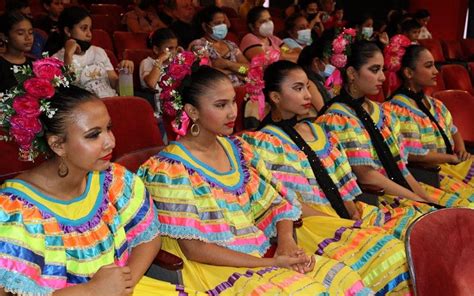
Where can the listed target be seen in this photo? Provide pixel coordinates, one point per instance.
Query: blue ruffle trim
(152, 231)
(20, 284)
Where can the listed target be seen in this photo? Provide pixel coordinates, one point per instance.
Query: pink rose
(22, 137)
(188, 57)
(169, 109)
(48, 68)
(350, 31)
(39, 88)
(178, 72)
(27, 106)
(339, 60)
(339, 45)
(30, 124)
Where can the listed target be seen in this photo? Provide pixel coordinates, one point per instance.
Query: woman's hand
(126, 64)
(111, 280)
(305, 263)
(71, 47)
(289, 248)
(463, 155)
(352, 210)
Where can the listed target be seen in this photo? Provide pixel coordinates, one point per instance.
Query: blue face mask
(304, 37)
(367, 32)
(328, 70)
(219, 32)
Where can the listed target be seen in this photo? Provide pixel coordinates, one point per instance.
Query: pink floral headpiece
(254, 81)
(21, 106)
(171, 84)
(341, 47)
(393, 54)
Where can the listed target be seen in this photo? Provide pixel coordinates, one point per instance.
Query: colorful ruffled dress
(342, 121)
(239, 210)
(421, 135)
(48, 244)
(291, 166)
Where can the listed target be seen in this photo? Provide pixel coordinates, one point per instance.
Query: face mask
(266, 29)
(83, 44)
(304, 37)
(328, 70)
(311, 16)
(367, 32)
(219, 32)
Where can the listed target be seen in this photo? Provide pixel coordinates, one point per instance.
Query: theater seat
(452, 50)
(112, 57)
(456, 77)
(238, 26)
(434, 46)
(114, 10)
(440, 248)
(102, 39)
(468, 48)
(460, 104)
(129, 40)
(133, 160)
(229, 11)
(231, 36)
(133, 124)
(106, 22)
(137, 56)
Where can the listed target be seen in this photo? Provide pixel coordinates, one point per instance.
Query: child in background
(49, 23)
(411, 29)
(422, 16)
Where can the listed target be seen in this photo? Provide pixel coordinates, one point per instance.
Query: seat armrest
(168, 261)
(372, 189)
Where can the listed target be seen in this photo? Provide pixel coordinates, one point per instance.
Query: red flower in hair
(27, 106)
(48, 68)
(39, 88)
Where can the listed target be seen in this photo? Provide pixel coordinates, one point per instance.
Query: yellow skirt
(148, 286)
(462, 172)
(451, 194)
(377, 257)
(328, 276)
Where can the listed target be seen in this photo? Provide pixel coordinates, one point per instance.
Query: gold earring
(63, 170)
(195, 129)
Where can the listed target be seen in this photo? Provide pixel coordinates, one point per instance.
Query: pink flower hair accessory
(340, 50)
(22, 105)
(254, 81)
(171, 84)
(393, 54)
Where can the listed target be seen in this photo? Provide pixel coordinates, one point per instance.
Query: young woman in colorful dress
(219, 207)
(76, 224)
(427, 125)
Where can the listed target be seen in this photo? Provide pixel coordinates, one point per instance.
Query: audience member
(143, 18)
(298, 31)
(49, 22)
(422, 16)
(411, 29)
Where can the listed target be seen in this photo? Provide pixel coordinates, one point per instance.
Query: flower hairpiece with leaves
(177, 77)
(254, 81)
(22, 105)
(393, 54)
(340, 50)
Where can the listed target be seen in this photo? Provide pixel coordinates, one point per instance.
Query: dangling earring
(195, 129)
(352, 89)
(63, 170)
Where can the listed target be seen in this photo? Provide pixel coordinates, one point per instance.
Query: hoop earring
(352, 89)
(195, 129)
(63, 170)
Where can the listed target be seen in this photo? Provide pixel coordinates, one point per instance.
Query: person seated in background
(143, 18)
(165, 11)
(317, 67)
(309, 9)
(224, 54)
(164, 44)
(337, 19)
(247, 5)
(365, 27)
(183, 26)
(23, 7)
(423, 16)
(298, 31)
(18, 34)
(411, 29)
(49, 22)
(261, 38)
(90, 63)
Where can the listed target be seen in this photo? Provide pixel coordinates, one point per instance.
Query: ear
(274, 97)
(351, 73)
(155, 49)
(56, 143)
(192, 112)
(407, 73)
(67, 31)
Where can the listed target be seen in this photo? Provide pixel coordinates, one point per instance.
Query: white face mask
(304, 37)
(328, 70)
(367, 32)
(266, 29)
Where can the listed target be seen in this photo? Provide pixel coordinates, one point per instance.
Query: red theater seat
(129, 40)
(114, 10)
(434, 46)
(133, 160)
(133, 124)
(456, 77)
(231, 36)
(468, 48)
(238, 26)
(440, 248)
(460, 104)
(106, 22)
(229, 11)
(112, 57)
(452, 50)
(102, 39)
(137, 56)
